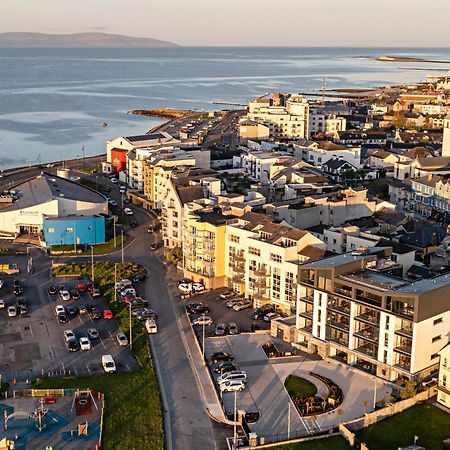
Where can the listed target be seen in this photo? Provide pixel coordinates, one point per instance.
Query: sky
(391, 23)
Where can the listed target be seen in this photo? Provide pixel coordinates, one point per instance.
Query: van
(109, 366)
(232, 375)
(151, 326)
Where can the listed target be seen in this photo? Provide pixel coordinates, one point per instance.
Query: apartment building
(262, 259)
(184, 188)
(319, 122)
(333, 209)
(350, 309)
(204, 244)
(285, 115)
(443, 387)
(159, 168)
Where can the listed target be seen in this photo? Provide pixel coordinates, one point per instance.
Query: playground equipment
(38, 415)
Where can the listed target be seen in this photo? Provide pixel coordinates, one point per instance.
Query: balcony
(368, 351)
(344, 292)
(369, 300)
(404, 332)
(366, 335)
(307, 314)
(307, 281)
(237, 279)
(403, 349)
(342, 309)
(306, 329)
(403, 365)
(371, 319)
(339, 325)
(237, 258)
(260, 273)
(337, 340)
(405, 313)
(238, 269)
(261, 283)
(307, 299)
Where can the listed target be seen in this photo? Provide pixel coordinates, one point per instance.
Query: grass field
(99, 249)
(133, 414)
(429, 423)
(299, 387)
(331, 443)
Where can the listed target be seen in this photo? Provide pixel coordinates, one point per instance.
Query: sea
(54, 101)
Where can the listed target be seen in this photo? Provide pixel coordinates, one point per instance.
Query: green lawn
(133, 414)
(331, 443)
(429, 423)
(299, 387)
(99, 249)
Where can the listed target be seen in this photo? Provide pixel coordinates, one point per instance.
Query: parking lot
(33, 345)
(265, 392)
(219, 312)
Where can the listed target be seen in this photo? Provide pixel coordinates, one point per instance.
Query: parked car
(191, 306)
(114, 180)
(62, 317)
(122, 339)
(52, 290)
(138, 303)
(81, 287)
(95, 314)
(72, 310)
(232, 385)
(243, 305)
(259, 313)
(198, 287)
(95, 293)
(59, 309)
(232, 375)
(18, 290)
(107, 314)
(224, 366)
(128, 211)
(153, 247)
(227, 295)
(127, 291)
(139, 277)
(122, 284)
(231, 303)
(74, 294)
(2, 304)
(64, 295)
(93, 334)
(147, 314)
(150, 326)
(108, 364)
(68, 334)
(185, 288)
(233, 328)
(202, 320)
(24, 310)
(221, 356)
(85, 343)
(12, 311)
(82, 309)
(269, 317)
(72, 345)
(220, 329)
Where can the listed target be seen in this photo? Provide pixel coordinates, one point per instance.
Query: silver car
(220, 329)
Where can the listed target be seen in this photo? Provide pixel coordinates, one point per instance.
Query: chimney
(429, 176)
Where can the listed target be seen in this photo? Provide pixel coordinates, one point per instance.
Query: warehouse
(57, 209)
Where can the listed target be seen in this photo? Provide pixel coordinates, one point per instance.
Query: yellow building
(204, 246)
(443, 387)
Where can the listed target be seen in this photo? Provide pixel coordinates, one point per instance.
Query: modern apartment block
(204, 245)
(351, 309)
(262, 259)
(443, 387)
(285, 115)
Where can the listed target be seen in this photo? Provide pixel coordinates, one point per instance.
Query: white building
(446, 138)
(443, 387)
(320, 122)
(285, 115)
(46, 196)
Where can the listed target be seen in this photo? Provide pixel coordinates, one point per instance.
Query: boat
(104, 124)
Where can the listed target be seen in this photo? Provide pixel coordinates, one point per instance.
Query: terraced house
(351, 307)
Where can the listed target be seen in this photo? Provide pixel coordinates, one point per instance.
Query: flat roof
(47, 187)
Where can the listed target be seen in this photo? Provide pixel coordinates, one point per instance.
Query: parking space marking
(89, 370)
(79, 318)
(101, 340)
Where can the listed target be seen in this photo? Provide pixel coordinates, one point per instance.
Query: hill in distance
(19, 39)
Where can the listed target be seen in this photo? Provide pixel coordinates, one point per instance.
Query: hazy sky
(242, 22)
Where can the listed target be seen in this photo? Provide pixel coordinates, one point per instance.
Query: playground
(69, 419)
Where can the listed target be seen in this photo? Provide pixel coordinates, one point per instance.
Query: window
(319, 316)
(276, 284)
(436, 338)
(276, 258)
(175, 214)
(385, 356)
(320, 299)
(69, 230)
(386, 339)
(437, 321)
(289, 287)
(387, 322)
(254, 251)
(50, 230)
(175, 224)
(234, 238)
(175, 234)
(334, 241)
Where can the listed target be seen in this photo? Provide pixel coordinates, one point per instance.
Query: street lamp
(235, 426)
(203, 337)
(121, 232)
(92, 263)
(131, 328)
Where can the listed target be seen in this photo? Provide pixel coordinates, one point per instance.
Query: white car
(185, 288)
(65, 295)
(122, 340)
(198, 287)
(2, 304)
(109, 366)
(151, 326)
(114, 180)
(59, 309)
(69, 334)
(12, 311)
(232, 375)
(122, 189)
(232, 385)
(85, 343)
(112, 202)
(202, 320)
(128, 291)
(128, 211)
(122, 283)
(269, 317)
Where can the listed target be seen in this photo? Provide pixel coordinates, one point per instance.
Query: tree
(409, 390)
(174, 256)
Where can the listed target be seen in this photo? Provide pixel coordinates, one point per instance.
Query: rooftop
(47, 187)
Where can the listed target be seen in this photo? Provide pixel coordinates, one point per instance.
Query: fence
(284, 437)
(59, 392)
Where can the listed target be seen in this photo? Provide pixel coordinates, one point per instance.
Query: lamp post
(114, 230)
(92, 264)
(203, 337)
(115, 282)
(121, 232)
(131, 328)
(235, 425)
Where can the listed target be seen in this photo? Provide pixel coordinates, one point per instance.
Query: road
(188, 425)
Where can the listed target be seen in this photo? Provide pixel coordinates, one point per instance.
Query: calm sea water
(53, 101)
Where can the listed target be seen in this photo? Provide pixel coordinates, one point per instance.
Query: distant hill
(78, 40)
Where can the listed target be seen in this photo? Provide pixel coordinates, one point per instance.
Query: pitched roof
(336, 163)
(188, 194)
(417, 152)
